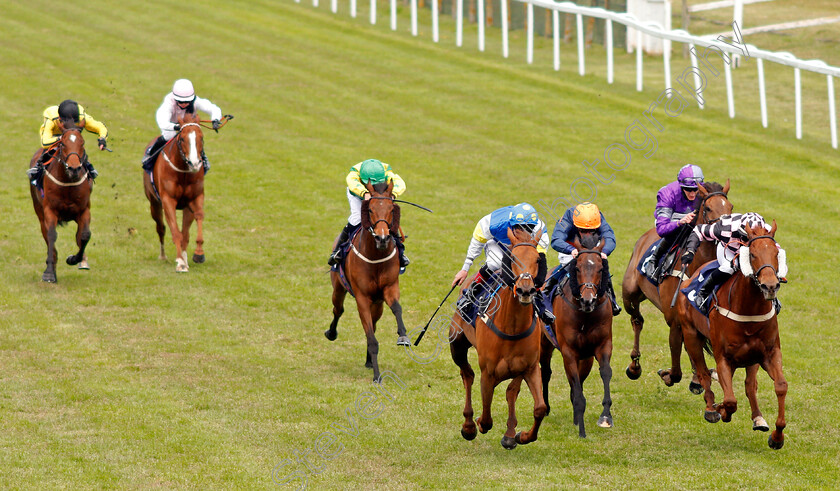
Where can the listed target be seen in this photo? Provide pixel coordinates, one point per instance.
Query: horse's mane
(590, 240)
(713, 186)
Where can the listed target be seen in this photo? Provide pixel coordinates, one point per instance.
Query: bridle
(525, 275)
(596, 288)
(755, 273)
(62, 159)
(178, 141)
(373, 224)
(703, 206)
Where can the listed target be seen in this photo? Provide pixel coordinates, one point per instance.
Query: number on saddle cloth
(644, 266)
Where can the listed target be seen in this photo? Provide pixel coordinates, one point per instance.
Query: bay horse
(742, 331)
(635, 288)
(66, 196)
(177, 183)
(507, 340)
(372, 271)
(583, 330)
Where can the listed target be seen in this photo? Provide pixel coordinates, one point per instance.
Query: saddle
(470, 308)
(691, 290)
(666, 263)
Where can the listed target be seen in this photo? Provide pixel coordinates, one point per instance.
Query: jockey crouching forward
(66, 112)
(731, 233)
(578, 221)
(490, 236)
(373, 172)
(176, 104)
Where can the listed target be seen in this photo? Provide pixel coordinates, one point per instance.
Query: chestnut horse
(635, 288)
(66, 197)
(507, 340)
(177, 183)
(373, 272)
(584, 331)
(743, 331)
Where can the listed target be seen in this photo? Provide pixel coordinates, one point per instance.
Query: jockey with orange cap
(182, 100)
(69, 113)
(577, 221)
(370, 171)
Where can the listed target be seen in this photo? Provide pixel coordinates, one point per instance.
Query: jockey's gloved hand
(177, 127)
(102, 144)
(687, 258)
(216, 125)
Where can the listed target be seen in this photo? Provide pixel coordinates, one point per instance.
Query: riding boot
(543, 307)
(606, 276)
(335, 257)
(152, 152)
(205, 162)
(469, 297)
(90, 170)
(665, 244)
(716, 277)
(35, 173)
(404, 261)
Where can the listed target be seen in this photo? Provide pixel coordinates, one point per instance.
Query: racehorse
(66, 196)
(584, 330)
(507, 340)
(635, 288)
(372, 271)
(177, 183)
(742, 331)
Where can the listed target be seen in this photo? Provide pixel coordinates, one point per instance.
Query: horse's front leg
(532, 378)
(751, 388)
(603, 354)
(631, 300)
(181, 265)
(392, 298)
(197, 207)
(82, 239)
(578, 400)
(488, 385)
(512, 392)
(725, 372)
(694, 348)
(773, 367)
(364, 306)
(546, 351)
(50, 222)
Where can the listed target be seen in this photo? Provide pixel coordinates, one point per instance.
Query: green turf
(130, 376)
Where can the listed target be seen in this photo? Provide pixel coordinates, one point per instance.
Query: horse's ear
(601, 244)
(576, 243)
(181, 120)
(702, 190)
(369, 187)
(726, 187)
(512, 236)
(773, 229)
(60, 125)
(389, 188)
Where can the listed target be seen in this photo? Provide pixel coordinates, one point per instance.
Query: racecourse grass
(130, 376)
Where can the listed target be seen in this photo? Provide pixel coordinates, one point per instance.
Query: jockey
(578, 221)
(66, 112)
(731, 233)
(490, 236)
(182, 100)
(374, 172)
(675, 209)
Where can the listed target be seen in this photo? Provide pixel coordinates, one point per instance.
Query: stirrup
(335, 257)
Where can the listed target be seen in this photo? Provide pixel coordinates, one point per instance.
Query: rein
(57, 156)
(181, 151)
(754, 277)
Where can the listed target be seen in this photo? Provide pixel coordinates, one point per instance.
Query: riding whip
(433, 315)
(413, 204)
(677, 291)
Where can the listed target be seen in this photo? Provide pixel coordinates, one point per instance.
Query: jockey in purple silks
(675, 209)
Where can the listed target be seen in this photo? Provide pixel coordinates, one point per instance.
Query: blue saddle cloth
(560, 274)
(484, 301)
(339, 266)
(691, 290)
(648, 256)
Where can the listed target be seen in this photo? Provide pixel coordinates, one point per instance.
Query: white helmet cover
(183, 90)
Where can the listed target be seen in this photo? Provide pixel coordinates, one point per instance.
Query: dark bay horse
(584, 330)
(743, 331)
(66, 197)
(373, 271)
(177, 183)
(507, 340)
(635, 288)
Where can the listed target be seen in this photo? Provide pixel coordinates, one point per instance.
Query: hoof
(483, 429)
(369, 364)
(508, 442)
(48, 277)
(467, 435)
(198, 258)
(605, 422)
(403, 341)
(84, 264)
(760, 424)
(774, 444)
(712, 416)
(72, 261)
(695, 388)
(181, 266)
(330, 334)
(665, 375)
(633, 374)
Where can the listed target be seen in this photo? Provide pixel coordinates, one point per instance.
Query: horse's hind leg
(546, 351)
(458, 348)
(604, 353)
(532, 378)
(773, 367)
(82, 239)
(751, 388)
(156, 210)
(338, 306)
(512, 392)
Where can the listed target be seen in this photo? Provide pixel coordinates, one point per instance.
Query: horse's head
(764, 262)
(381, 217)
(524, 262)
(714, 202)
(588, 271)
(190, 141)
(71, 148)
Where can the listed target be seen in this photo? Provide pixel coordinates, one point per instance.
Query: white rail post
(832, 116)
(666, 60)
(459, 23)
(639, 51)
(797, 83)
(738, 17)
(692, 51)
(555, 20)
(480, 24)
(334, 6)
(529, 55)
(609, 43)
(413, 17)
(730, 97)
(435, 25)
(762, 95)
(373, 11)
(581, 61)
(353, 8)
(505, 28)
(393, 15)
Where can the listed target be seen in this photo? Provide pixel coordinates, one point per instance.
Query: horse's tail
(707, 343)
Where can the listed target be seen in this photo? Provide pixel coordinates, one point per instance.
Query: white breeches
(355, 217)
(726, 259)
(564, 258)
(494, 254)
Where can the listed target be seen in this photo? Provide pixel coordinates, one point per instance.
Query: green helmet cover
(372, 170)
